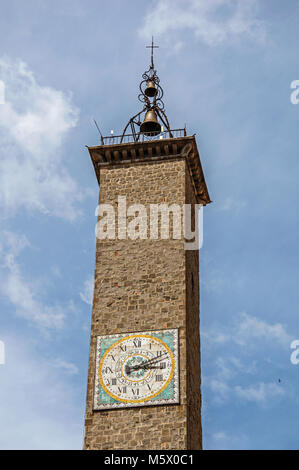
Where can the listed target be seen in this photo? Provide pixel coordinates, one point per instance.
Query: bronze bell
(150, 124)
(150, 90)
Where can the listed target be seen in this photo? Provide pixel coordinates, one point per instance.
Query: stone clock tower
(144, 386)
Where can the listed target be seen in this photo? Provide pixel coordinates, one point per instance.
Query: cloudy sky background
(226, 68)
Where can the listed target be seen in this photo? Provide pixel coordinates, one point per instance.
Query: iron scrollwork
(151, 102)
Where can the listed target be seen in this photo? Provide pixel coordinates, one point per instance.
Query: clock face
(136, 369)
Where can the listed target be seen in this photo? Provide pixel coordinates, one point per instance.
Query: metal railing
(145, 137)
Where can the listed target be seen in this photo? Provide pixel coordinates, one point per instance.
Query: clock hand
(128, 369)
(153, 367)
(154, 360)
(146, 364)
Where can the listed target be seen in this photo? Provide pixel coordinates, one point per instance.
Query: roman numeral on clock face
(135, 392)
(159, 378)
(137, 343)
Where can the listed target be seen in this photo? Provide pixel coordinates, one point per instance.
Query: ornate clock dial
(136, 368)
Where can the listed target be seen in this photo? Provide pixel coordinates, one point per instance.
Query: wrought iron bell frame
(154, 103)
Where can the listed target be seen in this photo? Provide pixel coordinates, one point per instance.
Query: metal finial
(152, 47)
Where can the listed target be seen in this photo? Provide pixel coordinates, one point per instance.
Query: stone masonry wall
(144, 285)
(194, 431)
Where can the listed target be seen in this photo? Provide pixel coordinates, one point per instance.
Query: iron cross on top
(152, 47)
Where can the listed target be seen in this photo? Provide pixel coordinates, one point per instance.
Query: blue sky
(226, 68)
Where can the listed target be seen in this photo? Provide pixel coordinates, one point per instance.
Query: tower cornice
(159, 150)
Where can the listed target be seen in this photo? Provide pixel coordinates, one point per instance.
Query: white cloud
(220, 389)
(40, 408)
(253, 327)
(34, 122)
(217, 281)
(225, 440)
(259, 393)
(68, 367)
(239, 354)
(87, 294)
(227, 368)
(245, 329)
(22, 293)
(223, 391)
(231, 204)
(212, 22)
(214, 283)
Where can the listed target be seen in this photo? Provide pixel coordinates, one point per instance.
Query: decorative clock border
(154, 402)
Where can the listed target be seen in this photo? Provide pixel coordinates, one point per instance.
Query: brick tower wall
(147, 285)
